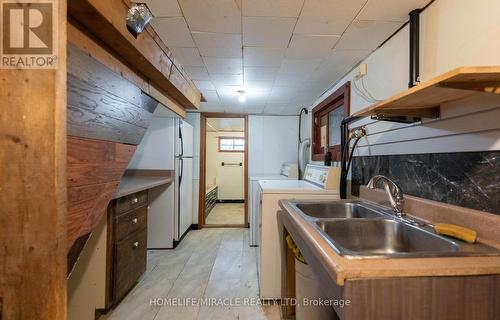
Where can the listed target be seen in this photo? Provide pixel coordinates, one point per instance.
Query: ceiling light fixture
(241, 96)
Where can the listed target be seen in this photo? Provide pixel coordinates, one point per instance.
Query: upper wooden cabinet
(147, 54)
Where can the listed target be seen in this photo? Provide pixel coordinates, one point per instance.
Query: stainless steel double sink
(359, 229)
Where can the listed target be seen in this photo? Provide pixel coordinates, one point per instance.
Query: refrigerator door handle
(181, 140)
(181, 165)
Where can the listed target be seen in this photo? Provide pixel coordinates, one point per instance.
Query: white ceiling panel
(217, 40)
(366, 35)
(390, 10)
(221, 52)
(267, 31)
(274, 108)
(174, 31)
(227, 124)
(220, 80)
(189, 57)
(163, 8)
(204, 85)
(197, 73)
(272, 8)
(262, 57)
(310, 46)
(280, 94)
(327, 16)
(292, 110)
(252, 87)
(303, 67)
(212, 15)
(224, 65)
(289, 80)
(260, 73)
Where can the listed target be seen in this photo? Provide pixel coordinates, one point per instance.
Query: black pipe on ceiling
(414, 47)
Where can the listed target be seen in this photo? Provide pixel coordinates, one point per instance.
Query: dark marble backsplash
(466, 179)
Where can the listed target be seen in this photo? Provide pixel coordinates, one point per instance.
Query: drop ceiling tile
(273, 8)
(163, 8)
(262, 57)
(197, 73)
(227, 79)
(310, 46)
(204, 85)
(260, 73)
(302, 67)
(390, 10)
(224, 65)
(173, 31)
(212, 15)
(221, 52)
(217, 40)
(204, 107)
(280, 94)
(267, 31)
(274, 108)
(289, 80)
(258, 86)
(366, 35)
(327, 16)
(337, 65)
(292, 110)
(189, 57)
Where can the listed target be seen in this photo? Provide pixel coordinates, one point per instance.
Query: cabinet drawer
(130, 263)
(130, 202)
(130, 222)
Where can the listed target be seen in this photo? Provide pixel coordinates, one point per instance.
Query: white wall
(194, 120)
(229, 179)
(273, 140)
(454, 33)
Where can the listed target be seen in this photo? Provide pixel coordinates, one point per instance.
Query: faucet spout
(395, 193)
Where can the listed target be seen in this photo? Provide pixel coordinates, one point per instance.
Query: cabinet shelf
(425, 99)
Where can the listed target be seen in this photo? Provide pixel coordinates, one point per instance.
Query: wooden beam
(33, 188)
(106, 21)
(84, 42)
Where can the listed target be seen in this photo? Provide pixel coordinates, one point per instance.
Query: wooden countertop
(132, 184)
(340, 269)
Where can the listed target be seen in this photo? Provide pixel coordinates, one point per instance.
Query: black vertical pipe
(414, 47)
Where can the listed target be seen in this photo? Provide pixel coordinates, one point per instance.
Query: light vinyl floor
(210, 263)
(227, 213)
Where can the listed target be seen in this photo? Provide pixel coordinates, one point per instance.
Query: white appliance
(168, 145)
(319, 182)
(288, 171)
(183, 178)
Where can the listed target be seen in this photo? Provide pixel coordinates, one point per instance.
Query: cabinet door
(130, 263)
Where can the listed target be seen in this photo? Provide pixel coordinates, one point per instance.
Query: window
(326, 119)
(231, 144)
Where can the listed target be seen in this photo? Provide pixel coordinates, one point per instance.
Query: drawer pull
(136, 244)
(134, 221)
(134, 200)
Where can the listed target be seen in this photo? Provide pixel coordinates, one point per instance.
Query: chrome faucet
(395, 194)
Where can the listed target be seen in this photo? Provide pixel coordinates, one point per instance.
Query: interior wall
(454, 33)
(194, 118)
(272, 141)
(229, 179)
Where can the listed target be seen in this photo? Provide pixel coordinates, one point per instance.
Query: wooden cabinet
(127, 230)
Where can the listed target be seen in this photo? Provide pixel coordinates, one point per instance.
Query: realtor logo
(28, 34)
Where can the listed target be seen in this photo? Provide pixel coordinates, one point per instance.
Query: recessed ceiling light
(241, 96)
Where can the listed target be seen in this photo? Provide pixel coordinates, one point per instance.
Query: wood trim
(342, 96)
(33, 202)
(203, 160)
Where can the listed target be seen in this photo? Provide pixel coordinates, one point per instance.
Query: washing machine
(288, 171)
(320, 183)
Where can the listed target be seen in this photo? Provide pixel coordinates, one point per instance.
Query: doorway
(223, 171)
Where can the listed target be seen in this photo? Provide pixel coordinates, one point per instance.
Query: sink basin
(338, 209)
(384, 237)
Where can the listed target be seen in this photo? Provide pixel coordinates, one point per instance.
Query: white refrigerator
(183, 178)
(168, 145)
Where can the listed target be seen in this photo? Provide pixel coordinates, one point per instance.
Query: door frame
(204, 116)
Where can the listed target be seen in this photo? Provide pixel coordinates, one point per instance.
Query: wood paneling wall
(33, 188)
